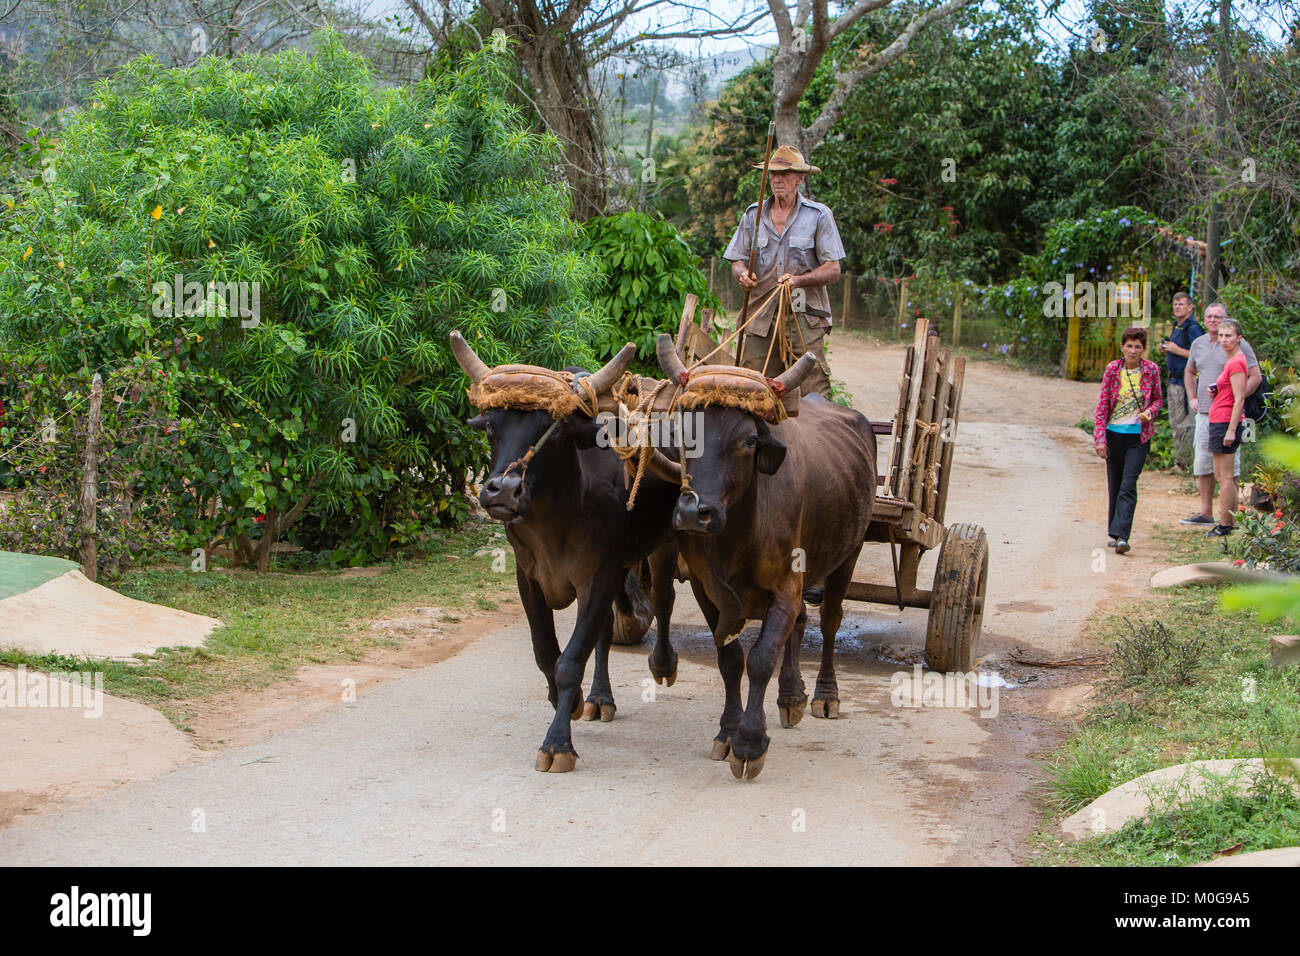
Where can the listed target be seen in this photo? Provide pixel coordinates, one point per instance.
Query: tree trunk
(556, 66)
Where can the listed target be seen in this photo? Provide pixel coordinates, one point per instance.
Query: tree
(558, 47)
(803, 42)
(367, 223)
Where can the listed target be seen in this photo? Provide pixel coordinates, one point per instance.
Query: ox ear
(478, 421)
(770, 452)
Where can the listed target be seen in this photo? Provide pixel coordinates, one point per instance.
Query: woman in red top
(1227, 400)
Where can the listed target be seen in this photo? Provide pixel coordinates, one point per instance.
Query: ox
(565, 515)
(771, 508)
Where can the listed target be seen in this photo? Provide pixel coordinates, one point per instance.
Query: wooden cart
(908, 514)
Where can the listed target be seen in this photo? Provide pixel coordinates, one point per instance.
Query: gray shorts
(1202, 460)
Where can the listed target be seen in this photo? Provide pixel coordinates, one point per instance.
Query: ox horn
(604, 378)
(669, 360)
(470, 363)
(797, 372)
(661, 466)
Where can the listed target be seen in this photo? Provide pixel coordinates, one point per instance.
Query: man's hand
(794, 280)
(1194, 403)
(746, 279)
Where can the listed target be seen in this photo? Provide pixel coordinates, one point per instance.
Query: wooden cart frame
(912, 495)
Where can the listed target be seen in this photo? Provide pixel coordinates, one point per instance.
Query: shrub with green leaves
(357, 225)
(649, 271)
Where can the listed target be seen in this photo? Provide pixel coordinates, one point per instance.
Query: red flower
(259, 519)
(885, 227)
(1239, 562)
(889, 182)
(1278, 513)
(1278, 527)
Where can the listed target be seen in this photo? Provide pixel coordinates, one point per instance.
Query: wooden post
(713, 261)
(902, 305)
(688, 316)
(847, 279)
(956, 320)
(1071, 341)
(90, 482)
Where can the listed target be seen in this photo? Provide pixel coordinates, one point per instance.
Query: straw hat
(788, 159)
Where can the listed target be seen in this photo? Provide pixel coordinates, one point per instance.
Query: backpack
(1255, 401)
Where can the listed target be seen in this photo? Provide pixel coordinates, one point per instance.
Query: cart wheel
(953, 633)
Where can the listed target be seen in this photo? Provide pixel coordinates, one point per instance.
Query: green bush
(648, 271)
(370, 221)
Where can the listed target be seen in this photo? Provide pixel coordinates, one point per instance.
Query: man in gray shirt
(797, 243)
(1205, 362)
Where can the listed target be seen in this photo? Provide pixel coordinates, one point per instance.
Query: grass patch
(277, 622)
(1187, 682)
(1186, 828)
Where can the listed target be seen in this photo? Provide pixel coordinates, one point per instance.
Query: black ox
(772, 509)
(566, 518)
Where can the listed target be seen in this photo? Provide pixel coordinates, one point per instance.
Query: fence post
(90, 482)
(1071, 341)
(902, 305)
(848, 299)
(956, 321)
(713, 260)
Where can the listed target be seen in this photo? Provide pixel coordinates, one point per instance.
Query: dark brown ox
(772, 509)
(566, 518)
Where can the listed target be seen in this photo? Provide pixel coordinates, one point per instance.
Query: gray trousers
(1183, 422)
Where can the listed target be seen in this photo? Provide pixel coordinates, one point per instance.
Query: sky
(1070, 20)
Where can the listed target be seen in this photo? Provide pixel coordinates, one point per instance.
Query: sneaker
(1121, 546)
(1198, 519)
(1111, 542)
(1219, 531)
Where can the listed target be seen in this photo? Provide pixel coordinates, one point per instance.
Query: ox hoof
(792, 712)
(577, 705)
(666, 675)
(666, 679)
(562, 762)
(743, 769)
(590, 711)
(826, 707)
(607, 713)
(721, 748)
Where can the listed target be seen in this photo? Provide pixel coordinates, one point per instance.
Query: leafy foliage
(649, 270)
(370, 222)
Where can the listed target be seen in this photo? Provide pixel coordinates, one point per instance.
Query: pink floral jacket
(1151, 399)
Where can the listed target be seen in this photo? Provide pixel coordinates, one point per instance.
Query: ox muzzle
(504, 497)
(697, 517)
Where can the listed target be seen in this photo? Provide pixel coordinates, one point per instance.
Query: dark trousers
(1125, 456)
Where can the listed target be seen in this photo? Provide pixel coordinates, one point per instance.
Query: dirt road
(435, 766)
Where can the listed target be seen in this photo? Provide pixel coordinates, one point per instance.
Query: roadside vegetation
(1186, 680)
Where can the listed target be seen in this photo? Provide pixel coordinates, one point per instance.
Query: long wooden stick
(753, 237)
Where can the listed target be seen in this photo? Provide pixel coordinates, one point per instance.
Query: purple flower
(1125, 222)
(1004, 349)
(984, 346)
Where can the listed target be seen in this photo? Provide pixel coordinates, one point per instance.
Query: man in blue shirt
(1176, 346)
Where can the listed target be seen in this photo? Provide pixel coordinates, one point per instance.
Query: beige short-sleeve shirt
(810, 238)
